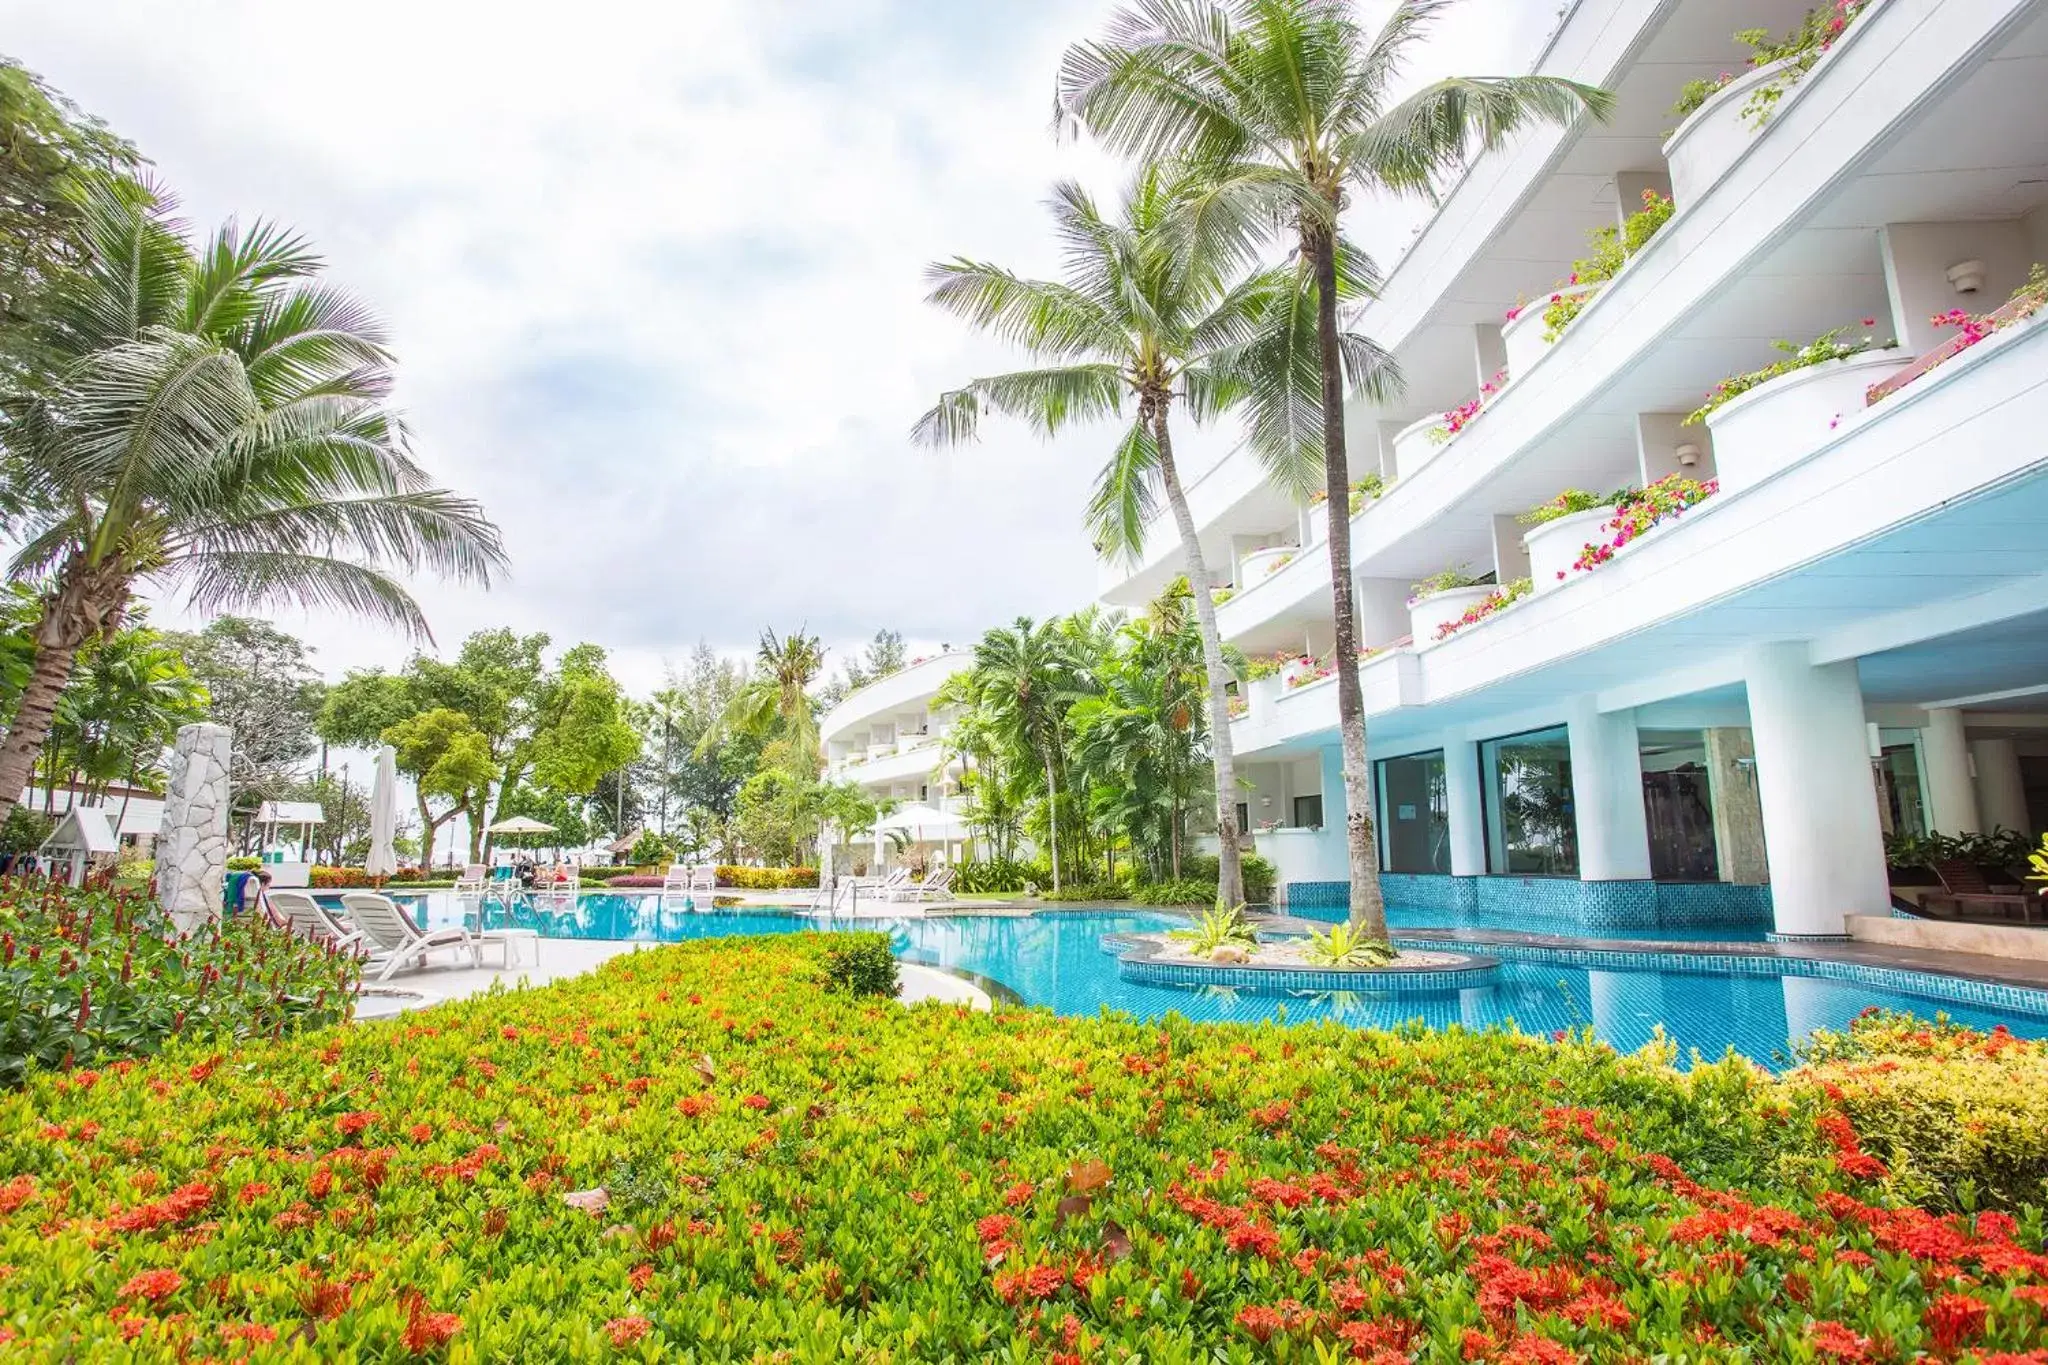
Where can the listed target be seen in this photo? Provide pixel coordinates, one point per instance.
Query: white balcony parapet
(907, 690)
(1755, 430)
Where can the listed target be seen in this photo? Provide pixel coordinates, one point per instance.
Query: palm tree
(1024, 680)
(1286, 107)
(777, 698)
(214, 423)
(1145, 313)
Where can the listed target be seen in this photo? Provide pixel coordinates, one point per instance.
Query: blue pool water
(1058, 960)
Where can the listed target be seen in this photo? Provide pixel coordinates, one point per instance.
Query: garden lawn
(795, 1174)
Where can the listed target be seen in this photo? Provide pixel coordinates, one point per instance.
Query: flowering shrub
(1612, 248)
(1238, 706)
(767, 878)
(1279, 562)
(1958, 1118)
(1221, 595)
(1498, 600)
(754, 1166)
(1460, 417)
(1804, 45)
(1828, 346)
(1369, 487)
(1667, 498)
(91, 977)
(1569, 503)
(1971, 328)
(635, 881)
(1267, 665)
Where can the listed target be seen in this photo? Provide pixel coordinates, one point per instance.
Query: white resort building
(1711, 718)
(886, 739)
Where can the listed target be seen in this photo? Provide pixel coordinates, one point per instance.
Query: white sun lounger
(394, 938)
(676, 881)
(312, 921)
(938, 886)
(473, 880)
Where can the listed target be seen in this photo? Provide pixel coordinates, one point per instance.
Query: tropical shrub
(861, 964)
(1089, 891)
(756, 1166)
(1498, 600)
(1216, 928)
(1959, 1117)
(1971, 328)
(1817, 32)
(1444, 580)
(767, 878)
(1826, 347)
(1260, 876)
(1267, 666)
(1343, 946)
(1185, 891)
(652, 848)
(990, 876)
(1361, 491)
(1998, 851)
(93, 977)
(24, 830)
(323, 878)
(635, 881)
(1664, 500)
(244, 862)
(1463, 415)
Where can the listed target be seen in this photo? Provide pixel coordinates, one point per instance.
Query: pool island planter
(1781, 422)
(1716, 135)
(1554, 546)
(1524, 334)
(1160, 960)
(1426, 614)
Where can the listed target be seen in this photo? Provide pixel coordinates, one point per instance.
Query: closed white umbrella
(383, 859)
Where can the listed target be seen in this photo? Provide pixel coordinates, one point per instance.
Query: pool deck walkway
(561, 958)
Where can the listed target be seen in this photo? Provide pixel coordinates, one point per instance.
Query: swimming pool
(1757, 1007)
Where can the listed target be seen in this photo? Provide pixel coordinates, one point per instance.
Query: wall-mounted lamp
(1966, 276)
(1688, 455)
(1874, 738)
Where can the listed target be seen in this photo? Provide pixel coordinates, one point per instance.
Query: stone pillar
(1607, 789)
(192, 849)
(1813, 777)
(1461, 796)
(2001, 790)
(1738, 811)
(1946, 753)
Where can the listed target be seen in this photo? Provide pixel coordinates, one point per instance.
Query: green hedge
(763, 1168)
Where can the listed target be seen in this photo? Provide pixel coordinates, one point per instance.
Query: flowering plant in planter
(1261, 666)
(1826, 347)
(1317, 670)
(1238, 706)
(1371, 486)
(1498, 600)
(1571, 502)
(1612, 248)
(1443, 580)
(1971, 328)
(1821, 28)
(1667, 498)
(1221, 595)
(1280, 562)
(1460, 417)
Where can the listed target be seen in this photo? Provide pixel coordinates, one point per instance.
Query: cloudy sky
(652, 270)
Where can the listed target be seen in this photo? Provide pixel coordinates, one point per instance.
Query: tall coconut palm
(1025, 682)
(1287, 105)
(214, 424)
(1145, 318)
(777, 698)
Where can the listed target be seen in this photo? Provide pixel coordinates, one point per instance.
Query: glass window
(1678, 805)
(1415, 825)
(1308, 811)
(1531, 827)
(1244, 817)
(1898, 768)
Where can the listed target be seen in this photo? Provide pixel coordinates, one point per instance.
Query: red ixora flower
(424, 1328)
(1955, 1319)
(353, 1123)
(626, 1331)
(1836, 1342)
(153, 1285)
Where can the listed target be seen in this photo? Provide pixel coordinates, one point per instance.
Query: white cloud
(652, 270)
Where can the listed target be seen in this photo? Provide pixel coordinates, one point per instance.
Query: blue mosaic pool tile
(1563, 904)
(1269, 979)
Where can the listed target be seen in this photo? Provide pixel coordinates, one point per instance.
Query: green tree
(776, 701)
(124, 703)
(448, 759)
(260, 682)
(884, 655)
(214, 423)
(1024, 681)
(1147, 317)
(1286, 106)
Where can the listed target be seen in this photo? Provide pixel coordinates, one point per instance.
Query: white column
(1946, 753)
(1821, 833)
(1607, 789)
(2001, 791)
(1461, 795)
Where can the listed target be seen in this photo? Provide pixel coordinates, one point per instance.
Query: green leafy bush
(1959, 1116)
(1216, 928)
(1818, 31)
(990, 876)
(24, 830)
(1186, 891)
(1826, 347)
(1570, 503)
(861, 964)
(1343, 946)
(1612, 248)
(244, 862)
(807, 1174)
(92, 977)
(1260, 877)
(767, 878)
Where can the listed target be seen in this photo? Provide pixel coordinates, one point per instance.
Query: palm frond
(1047, 399)
(228, 278)
(1370, 371)
(251, 580)
(1125, 497)
(1281, 373)
(431, 529)
(1043, 317)
(1434, 130)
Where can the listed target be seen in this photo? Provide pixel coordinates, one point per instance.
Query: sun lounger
(311, 920)
(1963, 888)
(394, 938)
(473, 880)
(937, 886)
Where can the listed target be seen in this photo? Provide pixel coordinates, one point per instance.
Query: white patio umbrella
(383, 859)
(521, 824)
(922, 823)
